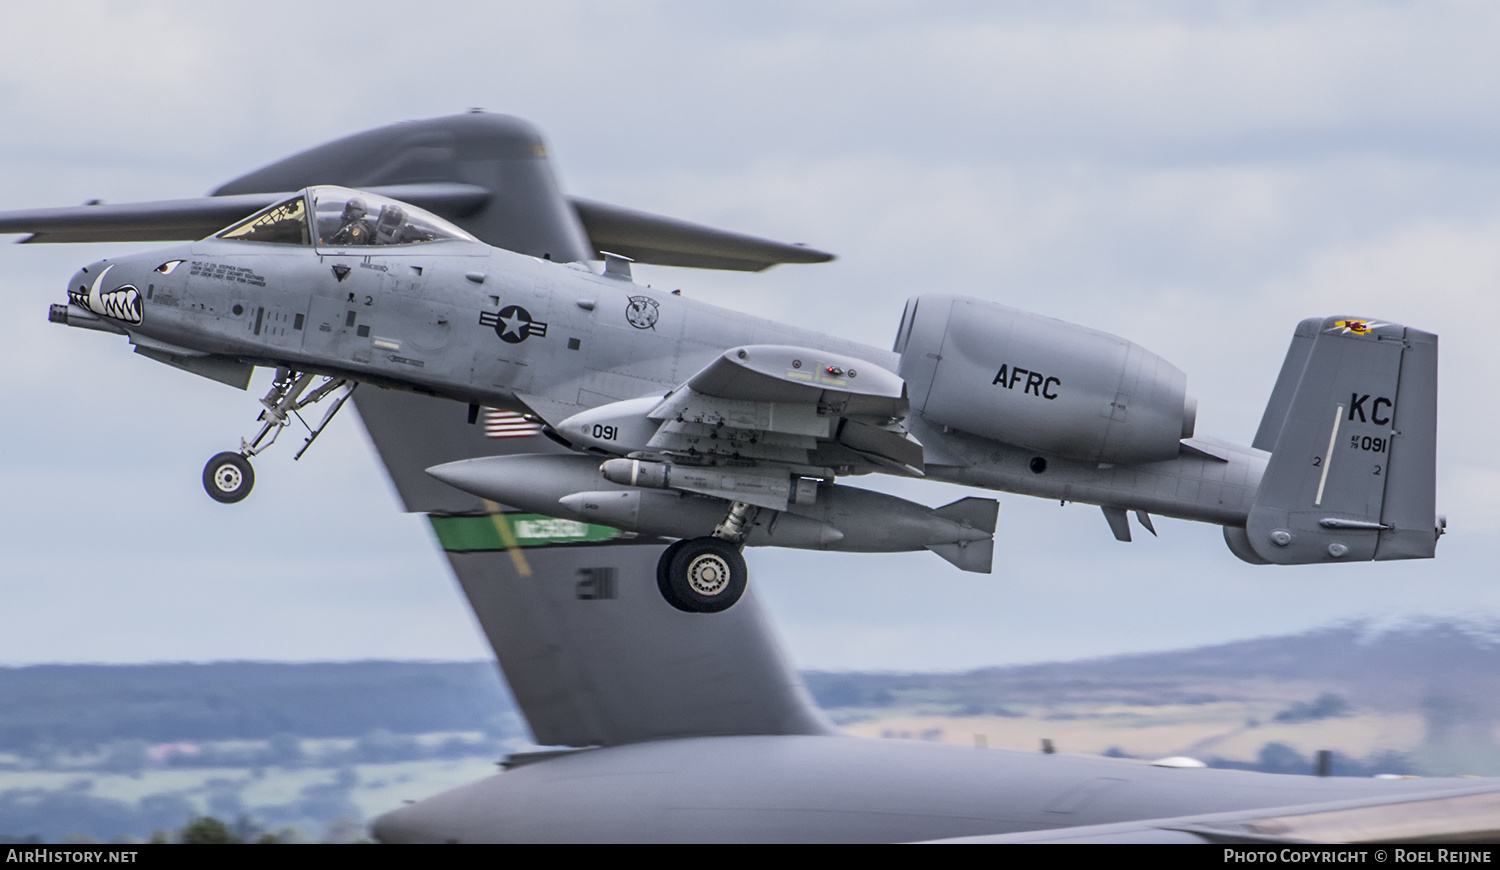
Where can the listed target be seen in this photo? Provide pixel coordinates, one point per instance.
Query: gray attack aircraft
(666, 727)
(722, 430)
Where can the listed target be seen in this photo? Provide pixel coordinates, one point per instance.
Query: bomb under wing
(688, 502)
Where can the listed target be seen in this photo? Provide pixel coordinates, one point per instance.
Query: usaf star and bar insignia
(513, 324)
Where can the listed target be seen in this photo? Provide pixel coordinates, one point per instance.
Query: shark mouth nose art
(122, 303)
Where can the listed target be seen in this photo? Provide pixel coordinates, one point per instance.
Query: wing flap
(782, 373)
(890, 443)
(690, 439)
(781, 404)
(788, 418)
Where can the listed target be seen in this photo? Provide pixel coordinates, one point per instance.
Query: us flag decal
(504, 424)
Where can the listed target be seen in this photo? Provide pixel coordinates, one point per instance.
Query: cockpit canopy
(343, 218)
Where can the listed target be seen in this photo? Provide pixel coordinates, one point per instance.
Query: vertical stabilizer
(1352, 474)
(592, 653)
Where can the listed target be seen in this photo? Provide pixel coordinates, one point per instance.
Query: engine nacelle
(1040, 383)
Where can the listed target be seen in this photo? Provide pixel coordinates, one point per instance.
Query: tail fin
(977, 513)
(975, 556)
(1352, 429)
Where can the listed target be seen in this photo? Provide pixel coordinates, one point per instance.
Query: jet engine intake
(1041, 383)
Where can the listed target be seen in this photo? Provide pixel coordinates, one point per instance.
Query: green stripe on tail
(471, 533)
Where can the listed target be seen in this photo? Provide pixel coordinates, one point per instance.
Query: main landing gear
(708, 574)
(228, 477)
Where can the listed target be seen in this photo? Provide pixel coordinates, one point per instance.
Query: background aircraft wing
(592, 653)
(643, 237)
(488, 173)
(187, 219)
(1464, 815)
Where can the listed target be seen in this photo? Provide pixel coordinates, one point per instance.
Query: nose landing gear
(228, 477)
(708, 574)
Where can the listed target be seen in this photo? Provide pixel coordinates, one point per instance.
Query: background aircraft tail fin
(592, 653)
(1352, 430)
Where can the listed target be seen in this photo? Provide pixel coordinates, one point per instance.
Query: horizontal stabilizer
(665, 241)
(973, 556)
(976, 513)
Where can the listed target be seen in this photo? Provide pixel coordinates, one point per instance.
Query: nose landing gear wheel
(701, 575)
(228, 478)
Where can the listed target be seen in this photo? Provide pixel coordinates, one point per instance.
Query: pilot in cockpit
(354, 229)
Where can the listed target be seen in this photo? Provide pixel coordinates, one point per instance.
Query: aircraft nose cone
(101, 289)
(78, 285)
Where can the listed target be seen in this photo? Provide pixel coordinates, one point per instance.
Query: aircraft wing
(1456, 817)
(592, 653)
(792, 406)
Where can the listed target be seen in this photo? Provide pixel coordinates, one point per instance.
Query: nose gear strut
(228, 477)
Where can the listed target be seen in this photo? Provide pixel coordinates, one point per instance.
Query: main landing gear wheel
(228, 478)
(701, 575)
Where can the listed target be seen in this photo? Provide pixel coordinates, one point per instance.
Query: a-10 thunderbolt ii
(723, 430)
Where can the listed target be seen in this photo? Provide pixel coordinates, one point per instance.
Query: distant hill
(79, 706)
(109, 750)
(1410, 668)
(1430, 668)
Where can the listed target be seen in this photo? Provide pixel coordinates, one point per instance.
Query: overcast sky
(1196, 177)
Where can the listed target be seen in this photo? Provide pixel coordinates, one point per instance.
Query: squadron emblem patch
(1358, 327)
(642, 312)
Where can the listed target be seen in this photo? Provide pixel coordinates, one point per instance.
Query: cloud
(1194, 177)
